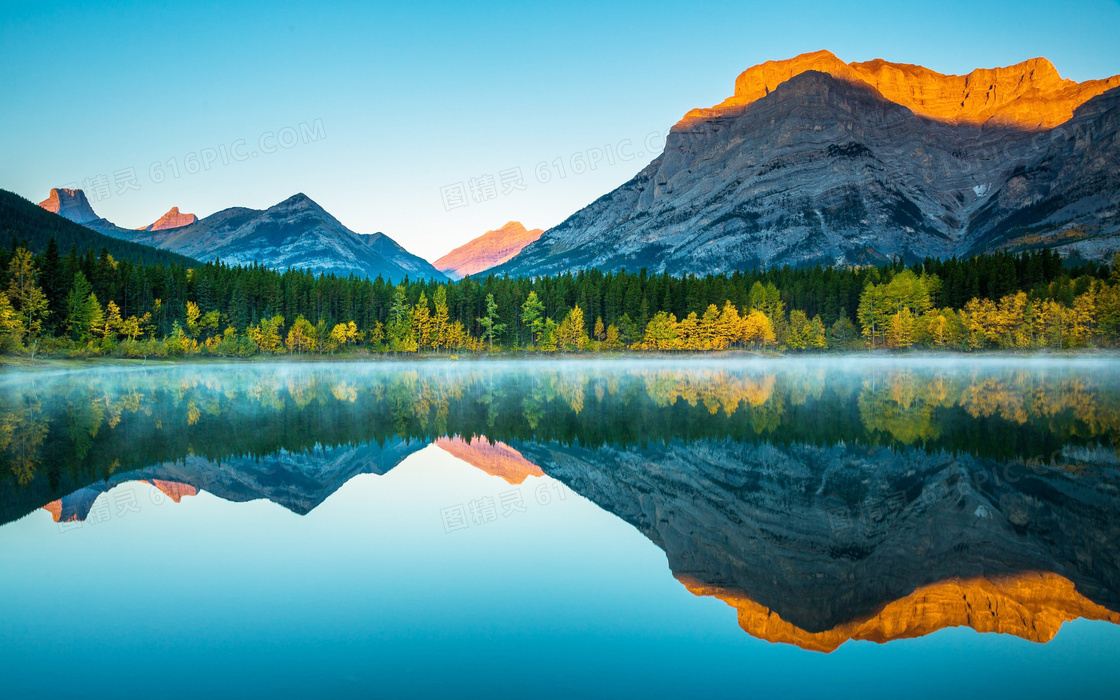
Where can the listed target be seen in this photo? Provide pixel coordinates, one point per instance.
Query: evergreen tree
(489, 323)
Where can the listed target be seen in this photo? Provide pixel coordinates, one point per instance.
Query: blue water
(370, 595)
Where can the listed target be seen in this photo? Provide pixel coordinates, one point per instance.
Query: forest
(87, 304)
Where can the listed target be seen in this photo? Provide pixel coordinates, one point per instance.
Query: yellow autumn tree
(900, 330)
(421, 322)
(757, 330)
(661, 333)
(341, 335)
(111, 322)
(266, 334)
(301, 336)
(571, 335)
(728, 327)
(688, 333)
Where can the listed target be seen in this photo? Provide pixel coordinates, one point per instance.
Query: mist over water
(804, 526)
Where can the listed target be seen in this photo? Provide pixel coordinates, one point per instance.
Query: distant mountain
(69, 204)
(413, 265)
(21, 220)
(295, 233)
(490, 249)
(817, 161)
(172, 219)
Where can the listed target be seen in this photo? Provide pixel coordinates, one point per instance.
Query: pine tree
(532, 313)
(82, 308)
(489, 321)
(398, 331)
(53, 283)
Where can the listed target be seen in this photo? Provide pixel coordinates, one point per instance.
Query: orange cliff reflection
(1031, 605)
(55, 509)
(1028, 95)
(494, 458)
(174, 490)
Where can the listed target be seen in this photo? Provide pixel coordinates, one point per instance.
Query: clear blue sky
(415, 97)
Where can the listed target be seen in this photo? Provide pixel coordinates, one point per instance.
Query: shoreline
(18, 364)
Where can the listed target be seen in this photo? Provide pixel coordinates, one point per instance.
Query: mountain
(172, 219)
(21, 220)
(69, 204)
(295, 233)
(816, 161)
(490, 249)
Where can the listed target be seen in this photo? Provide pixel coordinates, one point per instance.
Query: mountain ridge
(1030, 94)
(23, 221)
(294, 233)
(827, 170)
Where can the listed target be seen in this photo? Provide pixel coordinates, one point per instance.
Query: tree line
(88, 304)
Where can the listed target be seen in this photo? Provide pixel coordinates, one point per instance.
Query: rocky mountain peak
(300, 205)
(296, 201)
(70, 204)
(172, 219)
(815, 161)
(490, 249)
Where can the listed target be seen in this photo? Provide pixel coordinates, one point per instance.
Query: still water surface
(850, 527)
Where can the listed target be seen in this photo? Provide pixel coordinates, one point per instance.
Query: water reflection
(824, 501)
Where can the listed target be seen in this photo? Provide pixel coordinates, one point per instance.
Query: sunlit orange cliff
(172, 219)
(1029, 95)
(490, 249)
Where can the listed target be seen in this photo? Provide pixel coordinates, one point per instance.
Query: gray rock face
(824, 170)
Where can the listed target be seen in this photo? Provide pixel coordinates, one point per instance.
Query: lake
(872, 527)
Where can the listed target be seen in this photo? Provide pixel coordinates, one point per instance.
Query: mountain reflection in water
(823, 500)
